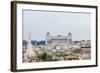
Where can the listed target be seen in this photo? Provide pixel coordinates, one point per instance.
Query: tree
(45, 57)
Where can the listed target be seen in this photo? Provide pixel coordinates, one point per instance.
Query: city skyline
(38, 23)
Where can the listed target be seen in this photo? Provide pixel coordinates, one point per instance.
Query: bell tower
(69, 38)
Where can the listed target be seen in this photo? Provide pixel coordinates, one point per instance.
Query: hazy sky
(40, 22)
